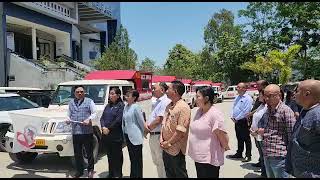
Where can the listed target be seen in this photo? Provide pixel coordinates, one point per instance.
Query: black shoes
(246, 159)
(235, 156)
(257, 164)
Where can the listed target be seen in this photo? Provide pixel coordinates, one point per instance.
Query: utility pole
(3, 48)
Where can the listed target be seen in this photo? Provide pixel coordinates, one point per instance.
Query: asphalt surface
(51, 165)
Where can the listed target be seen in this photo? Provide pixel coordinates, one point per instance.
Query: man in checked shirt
(277, 132)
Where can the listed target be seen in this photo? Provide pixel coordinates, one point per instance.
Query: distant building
(79, 30)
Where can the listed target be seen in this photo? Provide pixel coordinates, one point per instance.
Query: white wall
(75, 34)
(10, 40)
(28, 75)
(90, 46)
(63, 45)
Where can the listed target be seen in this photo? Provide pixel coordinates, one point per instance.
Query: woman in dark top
(111, 125)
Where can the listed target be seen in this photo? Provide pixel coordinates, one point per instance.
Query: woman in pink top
(208, 139)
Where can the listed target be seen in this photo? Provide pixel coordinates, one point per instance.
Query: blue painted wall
(20, 12)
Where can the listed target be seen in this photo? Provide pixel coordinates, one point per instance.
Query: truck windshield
(215, 89)
(65, 93)
(16, 103)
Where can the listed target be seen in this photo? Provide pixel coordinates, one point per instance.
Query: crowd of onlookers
(286, 131)
(285, 126)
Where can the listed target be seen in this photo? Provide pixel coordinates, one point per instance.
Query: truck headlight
(10, 129)
(63, 128)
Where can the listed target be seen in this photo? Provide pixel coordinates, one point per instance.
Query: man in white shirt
(154, 125)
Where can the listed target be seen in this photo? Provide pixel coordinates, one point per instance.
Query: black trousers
(207, 170)
(135, 155)
(243, 136)
(86, 141)
(115, 158)
(175, 166)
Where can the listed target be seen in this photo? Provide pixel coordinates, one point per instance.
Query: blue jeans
(275, 167)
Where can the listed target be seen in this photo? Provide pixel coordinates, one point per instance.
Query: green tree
(301, 26)
(275, 62)
(118, 55)
(147, 65)
(262, 26)
(224, 42)
(180, 62)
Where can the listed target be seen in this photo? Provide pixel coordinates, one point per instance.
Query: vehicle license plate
(40, 142)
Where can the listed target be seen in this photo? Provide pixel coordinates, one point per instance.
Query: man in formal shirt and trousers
(81, 112)
(154, 125)
(241, 107)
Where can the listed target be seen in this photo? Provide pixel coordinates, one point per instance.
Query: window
(16, 103)
(145, 84)
(231, 89)
(92, 54)
(65, 93)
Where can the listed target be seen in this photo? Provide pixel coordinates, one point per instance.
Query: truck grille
(49, 127)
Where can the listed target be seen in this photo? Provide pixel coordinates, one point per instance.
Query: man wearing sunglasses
(81, 112)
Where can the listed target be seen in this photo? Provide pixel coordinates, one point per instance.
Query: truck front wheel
(84, 154)
(3, 132)
(23, 157)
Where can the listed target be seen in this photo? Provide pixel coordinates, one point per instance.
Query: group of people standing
(123, 124)
(288, 140)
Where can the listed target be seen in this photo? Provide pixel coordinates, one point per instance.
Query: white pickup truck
(55, 135)
(232, 92)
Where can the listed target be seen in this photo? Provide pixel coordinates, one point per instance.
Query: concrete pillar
(34, 43)
(3, 46)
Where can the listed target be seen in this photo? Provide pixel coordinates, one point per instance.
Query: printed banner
(25, 128)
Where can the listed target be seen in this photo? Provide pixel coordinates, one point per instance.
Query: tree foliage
(118, 55)
(180, 62)
(275, 61)
(147, 65)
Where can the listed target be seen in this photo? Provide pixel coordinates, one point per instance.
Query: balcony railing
(55, 7)
(93, 11)
(52, 9)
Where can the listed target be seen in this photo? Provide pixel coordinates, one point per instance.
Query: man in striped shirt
(277, 132)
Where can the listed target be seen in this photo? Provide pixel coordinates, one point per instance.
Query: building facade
(53, 29)
(78, 30)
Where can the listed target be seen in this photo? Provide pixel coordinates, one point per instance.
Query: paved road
(53, 166)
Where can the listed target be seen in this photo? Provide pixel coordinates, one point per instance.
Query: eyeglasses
(271, 95)
(79, 92)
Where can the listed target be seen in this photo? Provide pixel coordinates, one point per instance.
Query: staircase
(34, 73)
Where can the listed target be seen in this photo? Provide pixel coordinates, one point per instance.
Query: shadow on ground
(249, 166)
(252, 175)
(47, 163)
(106, 173)
(234, 159)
